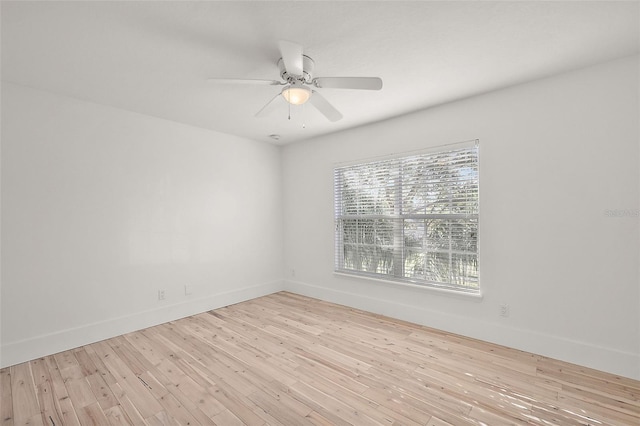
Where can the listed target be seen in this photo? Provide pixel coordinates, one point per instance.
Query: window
(412, 219)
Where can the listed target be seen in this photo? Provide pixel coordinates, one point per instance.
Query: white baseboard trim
(613, 361)
(28, 349)
(605, 359)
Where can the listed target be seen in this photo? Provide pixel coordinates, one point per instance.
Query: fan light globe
(296, 95)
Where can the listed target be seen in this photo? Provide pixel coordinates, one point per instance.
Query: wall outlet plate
(504, 310)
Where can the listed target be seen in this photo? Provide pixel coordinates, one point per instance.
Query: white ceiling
(154, 57)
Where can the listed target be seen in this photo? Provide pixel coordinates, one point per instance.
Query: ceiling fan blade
(246, 81)
(361, 83)
(324, 106)
(269, 107)
(291, 57)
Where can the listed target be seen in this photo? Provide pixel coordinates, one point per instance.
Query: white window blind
(411, 219)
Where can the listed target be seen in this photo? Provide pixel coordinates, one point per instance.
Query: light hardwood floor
(292, 360)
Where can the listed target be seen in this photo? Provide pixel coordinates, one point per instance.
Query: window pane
(437, 267)
(384, 232)
(349, 231)
(441, 183)
(464, 270)
(414, 264)
(350, 257)
(367, 190)
(438, 234)
(456, 235)
(368, 245)
(464, 235)
(414, 233)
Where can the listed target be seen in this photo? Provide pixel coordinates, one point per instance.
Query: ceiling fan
(296, 73)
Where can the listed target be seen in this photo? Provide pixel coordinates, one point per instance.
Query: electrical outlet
(504, 310)
(293, 272)
(160, 294)
(187, 290)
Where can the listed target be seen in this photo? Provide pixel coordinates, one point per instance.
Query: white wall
(555, 155)
(101, 208)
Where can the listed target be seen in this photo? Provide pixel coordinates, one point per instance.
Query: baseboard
(36, 347)
(600, 358)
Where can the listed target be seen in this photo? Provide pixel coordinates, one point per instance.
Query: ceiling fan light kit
(296, 72)
(296, 94)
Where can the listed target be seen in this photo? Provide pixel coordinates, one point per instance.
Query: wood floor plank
(80, 392)
(319, 420)
(92, 415)
(416, 410)
(127, 406)
(227, 418)
(176, 411)
(87, 366)
(437, 422)
(238, 405)
(286, 359)
(326, 405)
(131, 387)
(6, 402)
(161, 419)
(99, 364)
(23, 393)
(275, 409)
(102, 392)
(116, 416)
(55, 404)
(48, 406)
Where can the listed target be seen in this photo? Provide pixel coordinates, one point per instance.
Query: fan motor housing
(307, 70)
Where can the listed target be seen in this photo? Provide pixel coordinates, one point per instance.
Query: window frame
(401, 219)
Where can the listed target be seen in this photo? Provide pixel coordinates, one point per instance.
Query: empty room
(320, 213)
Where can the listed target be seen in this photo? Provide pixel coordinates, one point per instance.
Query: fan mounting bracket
(307, 71)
